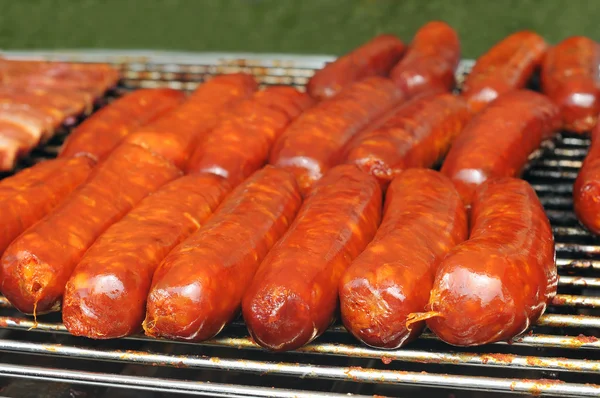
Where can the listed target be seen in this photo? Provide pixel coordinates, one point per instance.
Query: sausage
(36, 266)
(570, 78)
(586, 190)
(423, 219)
(313, 143)
(175, 135)
(494, 285)
(106, 294)
(294, 294)
(98, 135)
(29, 195)
(498, 141)
(507, 66)
(374, 58)
(241, 143)
(198, 287)
(430, 62)
(418, 134)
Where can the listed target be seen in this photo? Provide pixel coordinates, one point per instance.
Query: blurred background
(283, 26)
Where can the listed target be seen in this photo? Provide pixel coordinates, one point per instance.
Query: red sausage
(586, 190)
(241, 143)
(430, 62)
(496, 284)
(571, 78)
(106, 294)
(197, 116)
(423, 219)
(505, 67)
(418, 134)
(498, 141)
(313, 143)
(104, 130)
(294, 293)
(29, 195)
(198, 288)
(36, 266)
(374, 58)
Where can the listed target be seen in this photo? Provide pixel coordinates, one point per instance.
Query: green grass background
(292, 26)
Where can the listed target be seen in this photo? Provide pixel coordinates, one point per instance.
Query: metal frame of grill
(559, 357)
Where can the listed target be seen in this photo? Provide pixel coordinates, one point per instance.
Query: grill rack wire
(560, 356)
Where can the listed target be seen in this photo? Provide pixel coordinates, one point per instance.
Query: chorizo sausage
(198, 115)
(586, 190)
(430, 61)
(106, 294)
(498, 141)
(241, 143)
(29, 195)
(423, 219)
(294, 294)
(374, 58)
(99, 134)
(505, 67)
(36, 266)
(418, 134)
(313, 143)
(570, 77)
(186, 300)
(494, 285)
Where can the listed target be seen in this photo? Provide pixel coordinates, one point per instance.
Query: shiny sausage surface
(586, 190)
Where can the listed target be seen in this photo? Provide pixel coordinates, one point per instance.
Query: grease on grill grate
(560, 356)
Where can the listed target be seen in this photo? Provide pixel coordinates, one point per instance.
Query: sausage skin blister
(374, 58)
(430, 62)
(106, 294)
(586, 190)
(571, 79)
(417, 134)
(493, 286)
(498, 141)
(198, 287)
(294, 293)
(507, 66)
(99, 134)
(314, 142)
(423, 219)
(36, 266)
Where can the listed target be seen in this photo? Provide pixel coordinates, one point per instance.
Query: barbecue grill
(559, 357)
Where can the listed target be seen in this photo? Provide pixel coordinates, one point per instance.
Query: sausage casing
(198, 287)
(494, 285)
(571, 79)
(294, 294)
(423, 219)
(586, 190)
(498, 141)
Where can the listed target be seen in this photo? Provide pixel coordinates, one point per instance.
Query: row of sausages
(36, 98)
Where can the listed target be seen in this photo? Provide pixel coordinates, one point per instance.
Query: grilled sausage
(32, 193)
(104, 130)
(493, 286)
(418, 134)
(198, 288)
(313, 143)
(125, 257)
(586, 190)
(294, 294)
(570, 77)
(498, 141)
(430, 61)
(374, 58)
(241, 143)
(175, 135)
(36, 266)
(505, 67)
(423, 219)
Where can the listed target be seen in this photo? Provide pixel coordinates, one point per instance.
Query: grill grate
(559, 357)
